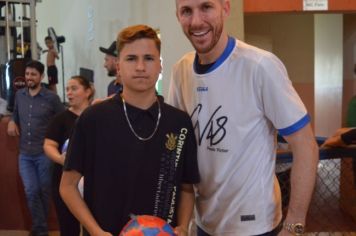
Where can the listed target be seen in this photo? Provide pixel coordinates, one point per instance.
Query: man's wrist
(294, 228)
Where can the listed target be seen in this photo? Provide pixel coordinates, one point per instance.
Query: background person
(34, 108)
(110, 60)
(52, 71)
(239, 193)
(79, 94)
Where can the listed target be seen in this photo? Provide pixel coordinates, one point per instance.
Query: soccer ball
(146, 225)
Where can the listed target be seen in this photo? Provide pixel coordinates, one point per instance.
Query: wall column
(328, 72)
(235, 22)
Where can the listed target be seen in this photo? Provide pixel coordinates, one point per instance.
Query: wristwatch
(294, 228)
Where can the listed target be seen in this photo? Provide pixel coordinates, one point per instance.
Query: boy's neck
(142, 100)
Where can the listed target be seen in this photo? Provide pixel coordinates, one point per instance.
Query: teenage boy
(150, 166)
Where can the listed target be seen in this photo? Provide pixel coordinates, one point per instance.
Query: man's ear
(117, 66)
(226, 8)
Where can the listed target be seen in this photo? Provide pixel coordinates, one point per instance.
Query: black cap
(110, 50)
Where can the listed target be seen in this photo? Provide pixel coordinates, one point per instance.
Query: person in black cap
(115, 85)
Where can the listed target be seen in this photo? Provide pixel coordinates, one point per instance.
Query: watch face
(299, 229)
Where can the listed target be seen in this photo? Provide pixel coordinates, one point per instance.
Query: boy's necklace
(131, 128)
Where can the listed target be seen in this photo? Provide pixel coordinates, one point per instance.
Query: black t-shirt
(61, 127)
(124, 175)
(59, 130)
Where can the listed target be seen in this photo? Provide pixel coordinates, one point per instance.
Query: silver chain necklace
(133, 131)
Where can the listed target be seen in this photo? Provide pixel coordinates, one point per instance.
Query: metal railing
(333, 207)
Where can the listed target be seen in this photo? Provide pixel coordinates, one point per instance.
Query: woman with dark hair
(79, 92)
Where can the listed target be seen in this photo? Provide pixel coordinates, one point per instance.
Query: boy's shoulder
(175, 112)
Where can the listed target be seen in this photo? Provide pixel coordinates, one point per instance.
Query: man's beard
(32, 85)
(112, 73)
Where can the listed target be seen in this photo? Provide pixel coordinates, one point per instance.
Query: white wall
(294, 45)
(81, 49)
(235, 22)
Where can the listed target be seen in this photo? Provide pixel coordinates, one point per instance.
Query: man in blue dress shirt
(34, 107)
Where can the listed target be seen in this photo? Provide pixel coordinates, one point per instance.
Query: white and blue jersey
(237, 107)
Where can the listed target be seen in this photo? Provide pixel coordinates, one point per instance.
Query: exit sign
(315, 5)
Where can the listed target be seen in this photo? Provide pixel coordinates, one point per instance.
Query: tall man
(110, 61)
(238, 97)
(34, 107)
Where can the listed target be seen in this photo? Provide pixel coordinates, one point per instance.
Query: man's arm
(185, 209)
(71, 196)
(304, 168)
(335, 140)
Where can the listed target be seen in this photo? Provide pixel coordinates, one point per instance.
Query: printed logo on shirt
(248, 218)
(176, 142)
(181, 138)
(165, 199)
(202, 89)
(214, 129)
(171, 143)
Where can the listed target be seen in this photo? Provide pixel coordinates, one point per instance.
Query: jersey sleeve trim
(295, 127)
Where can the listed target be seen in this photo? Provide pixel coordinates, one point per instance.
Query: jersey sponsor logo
(214, 129)
(202, 89)
(248, 218)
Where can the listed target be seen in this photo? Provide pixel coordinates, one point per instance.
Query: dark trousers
(68, 224)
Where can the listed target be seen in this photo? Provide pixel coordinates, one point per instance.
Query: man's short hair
(36, 65)
(48, 38)
(135, 32)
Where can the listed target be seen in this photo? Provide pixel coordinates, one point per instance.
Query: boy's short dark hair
(48, 38)
(36, 65)
(132, 33)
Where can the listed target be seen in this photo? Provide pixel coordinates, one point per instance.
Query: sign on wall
(315, 5)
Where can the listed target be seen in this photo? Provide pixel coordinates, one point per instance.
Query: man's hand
(12, 129)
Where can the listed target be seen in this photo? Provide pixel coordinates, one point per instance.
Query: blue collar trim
(229, 48)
